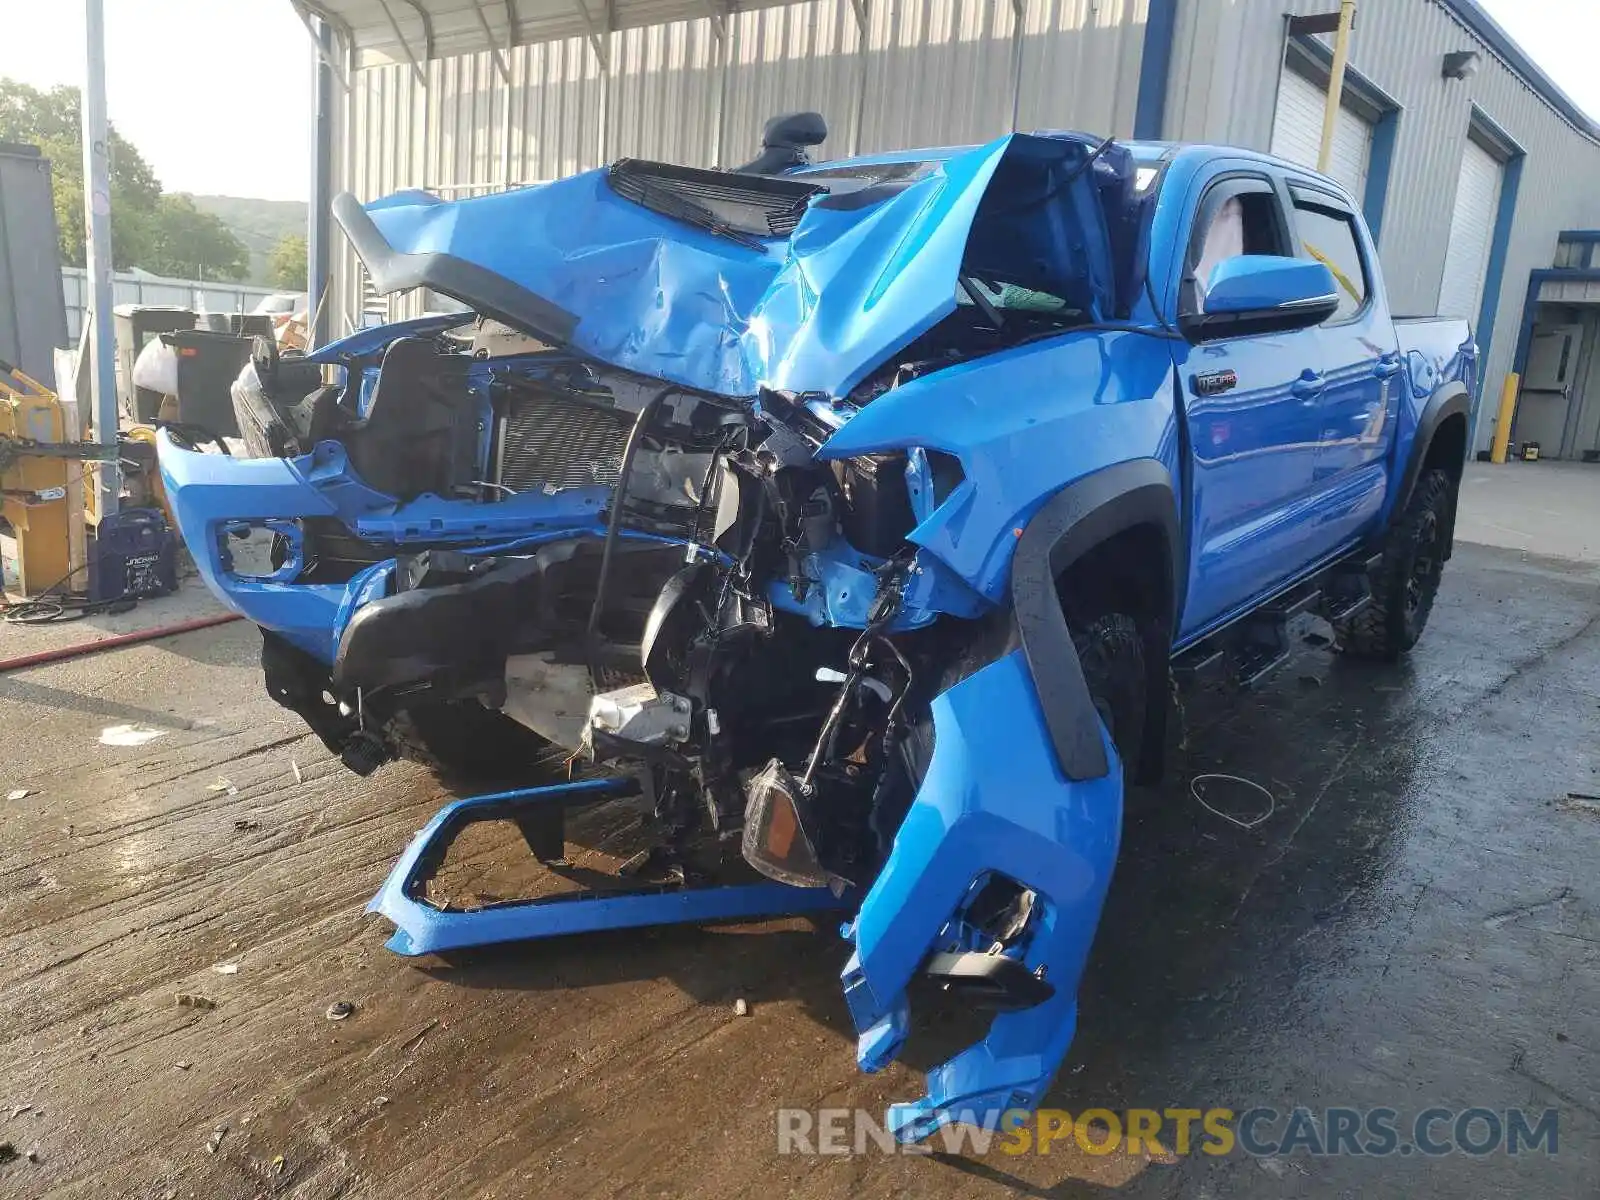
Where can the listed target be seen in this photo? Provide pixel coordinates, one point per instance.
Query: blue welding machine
(132, 555)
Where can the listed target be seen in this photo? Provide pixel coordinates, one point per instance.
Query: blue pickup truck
(850, 519)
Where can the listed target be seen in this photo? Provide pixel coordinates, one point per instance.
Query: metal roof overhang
(382, 32)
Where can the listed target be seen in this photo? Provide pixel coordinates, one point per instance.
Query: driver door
(1251, 408)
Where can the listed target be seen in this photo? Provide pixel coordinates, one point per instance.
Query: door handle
(1387, 367)
(1309, 386)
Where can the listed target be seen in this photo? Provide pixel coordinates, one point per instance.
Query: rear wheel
(1408, 579)
(1111, 651)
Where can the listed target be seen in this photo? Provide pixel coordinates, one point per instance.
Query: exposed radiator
(546, 444)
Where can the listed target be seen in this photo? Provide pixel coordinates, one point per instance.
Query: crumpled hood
(865, 270)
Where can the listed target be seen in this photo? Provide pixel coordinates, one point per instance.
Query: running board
(1245, 652)
(424, 928)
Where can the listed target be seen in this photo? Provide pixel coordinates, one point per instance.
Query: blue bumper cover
(993, 801)
(421, 928)
(208, 492)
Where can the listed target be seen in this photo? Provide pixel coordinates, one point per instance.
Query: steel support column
(858, 118)
(97, 223)
(318, 229)
(1019, 14)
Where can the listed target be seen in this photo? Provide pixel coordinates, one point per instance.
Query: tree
(287, 266)
(50, 120)
(186, 243)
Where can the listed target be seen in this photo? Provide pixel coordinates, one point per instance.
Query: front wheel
(1408, 579)
(1111, 652)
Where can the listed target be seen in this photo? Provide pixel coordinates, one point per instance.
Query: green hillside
(259, 224)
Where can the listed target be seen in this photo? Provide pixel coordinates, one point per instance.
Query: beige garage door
(1466, 261)
(1297, 132)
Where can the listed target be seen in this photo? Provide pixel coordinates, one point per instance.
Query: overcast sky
(216, 93)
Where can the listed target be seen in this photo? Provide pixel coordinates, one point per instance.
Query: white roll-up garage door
(1297, 132)
(1466, 260)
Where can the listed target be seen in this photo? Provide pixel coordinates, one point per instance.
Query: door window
(1237, 216)
(1328, 234)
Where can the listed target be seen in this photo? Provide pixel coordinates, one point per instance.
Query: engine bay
(673, 631)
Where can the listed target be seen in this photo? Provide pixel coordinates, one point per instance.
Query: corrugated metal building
(1468, 181)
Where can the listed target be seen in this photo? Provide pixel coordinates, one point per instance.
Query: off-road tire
(1406, 583)
(1111, 651)
(461, 740)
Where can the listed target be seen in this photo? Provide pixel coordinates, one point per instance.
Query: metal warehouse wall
(926, 72)
(897, 73)
(1223, 86)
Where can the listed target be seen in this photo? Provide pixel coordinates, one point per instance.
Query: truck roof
(1145, 153)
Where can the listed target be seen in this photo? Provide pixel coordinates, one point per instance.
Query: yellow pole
(1341, 55)
(1502, 423)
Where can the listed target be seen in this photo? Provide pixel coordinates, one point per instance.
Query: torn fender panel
(370, 341)
(993, 802)
(1096, 398)
(582, 266)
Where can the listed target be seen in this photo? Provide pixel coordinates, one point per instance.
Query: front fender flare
(1076, 519)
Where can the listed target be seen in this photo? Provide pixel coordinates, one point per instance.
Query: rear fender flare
(1450, 400)
(1079, 517)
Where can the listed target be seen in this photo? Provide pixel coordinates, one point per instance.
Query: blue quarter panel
(1436, 354)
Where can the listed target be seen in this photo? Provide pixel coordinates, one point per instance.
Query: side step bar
(1245, 652)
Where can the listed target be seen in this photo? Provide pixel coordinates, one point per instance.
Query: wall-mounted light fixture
(1461, 64)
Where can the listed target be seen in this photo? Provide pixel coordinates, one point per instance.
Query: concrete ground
(190, 602)
(1544, 507)
(1413, 926)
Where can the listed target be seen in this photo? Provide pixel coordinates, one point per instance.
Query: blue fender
(994, 800)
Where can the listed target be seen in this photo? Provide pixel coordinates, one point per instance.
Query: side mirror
(1263, 293)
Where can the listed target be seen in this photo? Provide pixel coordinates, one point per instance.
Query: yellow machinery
(43, 476)
(35, 546)
(1508, 412)
(141, 478)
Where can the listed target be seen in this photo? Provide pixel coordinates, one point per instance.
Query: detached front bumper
(209, 493)
(425, 928)
(212, 493)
